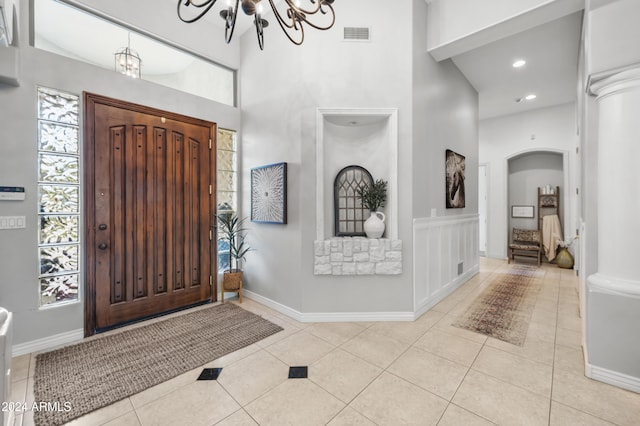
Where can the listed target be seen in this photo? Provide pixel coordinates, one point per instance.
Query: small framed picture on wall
(523, 211)
(454, 178)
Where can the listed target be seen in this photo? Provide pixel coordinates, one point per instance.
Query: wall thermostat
(12, 193)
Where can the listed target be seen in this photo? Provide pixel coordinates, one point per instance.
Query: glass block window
(227, 185)
(348, 210)
(58, 197)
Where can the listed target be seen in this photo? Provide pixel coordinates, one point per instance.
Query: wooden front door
(149, 212)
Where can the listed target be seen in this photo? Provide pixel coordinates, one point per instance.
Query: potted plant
(373, 197)
(233, 234)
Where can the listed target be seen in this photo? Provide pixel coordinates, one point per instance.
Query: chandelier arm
(286, 26)
(279, 17)
(257, 20)
(228, 29)
(298, 16)
(317, 27)
(316, 9)
(208, 4)
(303, 13)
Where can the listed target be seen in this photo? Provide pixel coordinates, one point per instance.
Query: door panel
(150, 212)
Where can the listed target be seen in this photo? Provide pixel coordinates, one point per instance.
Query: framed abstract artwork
(454, 178)
(269, 193)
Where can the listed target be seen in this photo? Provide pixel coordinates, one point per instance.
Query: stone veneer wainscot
(358, 256)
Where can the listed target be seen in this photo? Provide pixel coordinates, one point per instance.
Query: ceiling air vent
(357, 34)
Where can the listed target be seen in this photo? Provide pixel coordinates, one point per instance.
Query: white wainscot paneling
(446, 255)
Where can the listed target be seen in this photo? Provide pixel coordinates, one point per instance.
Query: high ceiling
(551, 51)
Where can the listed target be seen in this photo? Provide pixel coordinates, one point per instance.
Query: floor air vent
(357, 34)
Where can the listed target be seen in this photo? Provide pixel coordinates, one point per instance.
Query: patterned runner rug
(93, 374)
(504, 309)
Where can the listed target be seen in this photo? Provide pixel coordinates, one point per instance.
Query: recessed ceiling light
(526, 98)
(519, 63)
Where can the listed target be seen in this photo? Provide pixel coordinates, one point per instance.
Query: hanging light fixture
(291, 21)
(128, 61)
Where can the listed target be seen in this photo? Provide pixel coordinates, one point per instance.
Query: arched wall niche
(367, 137)
(558, 164)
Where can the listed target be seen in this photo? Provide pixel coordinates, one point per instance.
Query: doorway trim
(565, 197)
(486, 193)
(88, 146)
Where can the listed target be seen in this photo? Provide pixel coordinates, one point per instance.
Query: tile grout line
(462, 381)
(465, 376)
(484, 344)
(553, 365)
(383, 370)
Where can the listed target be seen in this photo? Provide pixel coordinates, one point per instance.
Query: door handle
(102, 246)
(102, 226)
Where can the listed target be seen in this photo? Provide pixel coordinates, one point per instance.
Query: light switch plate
(13, 222)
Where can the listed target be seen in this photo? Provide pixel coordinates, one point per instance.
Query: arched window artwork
(348, 211)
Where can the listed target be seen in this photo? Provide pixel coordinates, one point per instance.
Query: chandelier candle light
(292, 21)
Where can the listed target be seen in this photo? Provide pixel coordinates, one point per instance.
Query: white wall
(445, 117)
(281, 88)
(19, 289)
(613, 36)
(549, 129)
(201, 79)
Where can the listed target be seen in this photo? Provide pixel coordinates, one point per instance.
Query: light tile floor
(424, 372)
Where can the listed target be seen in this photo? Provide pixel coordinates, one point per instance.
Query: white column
(618, 100)
(613, 307)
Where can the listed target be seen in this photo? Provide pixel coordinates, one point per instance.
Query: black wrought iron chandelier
(292, 21)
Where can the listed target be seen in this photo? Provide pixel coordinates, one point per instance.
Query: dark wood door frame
(89, 249)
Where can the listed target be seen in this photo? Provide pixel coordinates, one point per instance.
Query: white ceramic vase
(374, 226)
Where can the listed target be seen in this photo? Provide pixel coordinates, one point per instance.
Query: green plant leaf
(232, 230)
(374, 196)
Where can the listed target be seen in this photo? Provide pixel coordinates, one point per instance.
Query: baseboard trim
(292, 313)
(329, 316)
(614, 378)
(358, 316)
(47, 343)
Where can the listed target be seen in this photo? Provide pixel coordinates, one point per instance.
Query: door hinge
(210, 281)
(210, 143)
(210, 234)
(210, 189)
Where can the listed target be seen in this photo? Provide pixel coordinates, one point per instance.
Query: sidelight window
(58, 197)
(227, 184)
